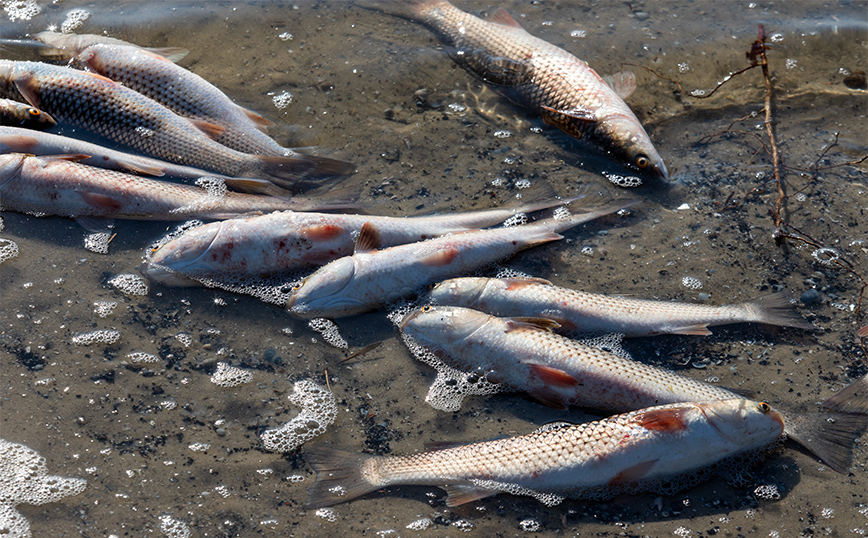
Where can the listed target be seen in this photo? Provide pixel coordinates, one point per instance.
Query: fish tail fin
(339, 476)
(851, 399)
(286, 171)
(829, 436)
(776, 309)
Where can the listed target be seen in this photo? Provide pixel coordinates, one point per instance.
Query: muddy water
(426, 136)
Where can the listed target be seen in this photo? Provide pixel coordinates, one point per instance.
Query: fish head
(744, 422)
(433, 325)
(188, 254)
(322, 294)
(629, 139)
(10, 167)
(458, 291)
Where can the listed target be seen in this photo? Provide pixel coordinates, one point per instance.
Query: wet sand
(426, 136)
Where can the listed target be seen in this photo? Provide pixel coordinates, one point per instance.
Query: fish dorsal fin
(212, 130)
(323, 232)
(18, 143)
(553, 376)
(623, 82)
(173, 54)
(513, 284)
(100, 201)
(633, 473)
(261, 123)
(552, 426)
(518, 323)
(457, 494)
(501, 16)
(368, 240)
(670, 419)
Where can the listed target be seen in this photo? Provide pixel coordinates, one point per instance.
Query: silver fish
(523, 354)
(660, 449)
(60, 186)
(15, 114)
(116, 112)
(562, 88)
(60, 46)
(372, 278)
(580, 312)
(193, 97)
(280, 243)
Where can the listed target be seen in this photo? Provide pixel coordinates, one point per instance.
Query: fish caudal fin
(286, 171)
(339, 476)
(852, 399)
(829, 436)
(776, 309)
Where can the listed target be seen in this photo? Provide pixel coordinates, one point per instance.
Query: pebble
(810, 296)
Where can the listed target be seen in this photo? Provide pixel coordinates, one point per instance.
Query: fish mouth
(659, 171)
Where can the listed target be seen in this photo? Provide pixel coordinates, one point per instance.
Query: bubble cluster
(100, 336)
(327, 514)
(502, 134)
(199, 447)
(130, 284)
(318, 410)
(24, 479)
(214, 186)
(463, 525)
(768, 492)
(623, 181)
(691, 283)
(173, 528)
(21, 9)
(8, 249)
(104, 308)
(420, 524)
(74, 19)
(282, 100)
(329, 331)
(230, 376)
(185, 339)
(516, 220)
(529, 525)
(141, 356)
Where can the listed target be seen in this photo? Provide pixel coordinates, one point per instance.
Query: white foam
(329, 331)
(98, 242)
(173, 528)
(318, 410)
(21, 9)
(74, 19)
(104, 308)
(130, 284)
(8, 249)
(141, 356)
(100, 336)
(230, 376)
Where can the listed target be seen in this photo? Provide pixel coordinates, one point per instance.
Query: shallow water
(427, 136)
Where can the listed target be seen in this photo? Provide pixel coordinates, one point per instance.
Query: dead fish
(16, 114)
(61, 186)
(523, 354)
(278, 243)
(127, 117)
(189, 95)
(579, 312)
(63, 47)
(372, 278)
(566, 92)
(660, 449)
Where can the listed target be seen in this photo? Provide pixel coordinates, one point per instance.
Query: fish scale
(125, 116)
(567, 92)
(654, 449)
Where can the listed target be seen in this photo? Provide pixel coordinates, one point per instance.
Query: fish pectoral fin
(173, 54)
(518, 323)
(26, 86)
(464, 493)
(368, 240)
(18, 143)
(139, 168)
(95, 224)
(554, 376)
(633, 473)
(212, 130)
(322, 232)
(548, 398)
(261, 123)
(623, 82)
(513, 284)
(573, 114)
(440, 258)
(100, 201)
(670, 419)
(66, 157)
(700, 330)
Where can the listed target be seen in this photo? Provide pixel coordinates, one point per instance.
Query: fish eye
(427, 308)
(642, 161)
(764, 407)
(296, 287)
(33, 112)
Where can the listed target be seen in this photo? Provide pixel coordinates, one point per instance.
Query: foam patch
(230, 376)
(319, 409)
